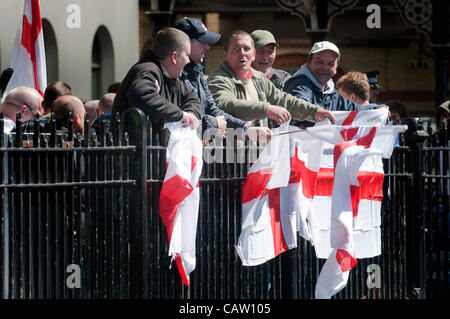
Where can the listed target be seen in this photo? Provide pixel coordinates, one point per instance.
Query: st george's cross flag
(179, 196)
(267, 228)
(316, 177)
(352, 145)
(28, 56)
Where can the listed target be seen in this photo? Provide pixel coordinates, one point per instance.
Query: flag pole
(289, 132)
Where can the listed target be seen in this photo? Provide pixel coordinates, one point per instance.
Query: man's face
(182, 58)
(198, 49)
(265, 57)
(240, 54)
(323, 65)
(373, 95)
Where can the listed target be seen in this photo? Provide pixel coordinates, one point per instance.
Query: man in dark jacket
(152, 83)
(193, 76)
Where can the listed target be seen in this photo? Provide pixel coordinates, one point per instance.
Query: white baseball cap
(324, 45)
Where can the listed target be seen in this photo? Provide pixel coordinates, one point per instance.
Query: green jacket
(229, 94)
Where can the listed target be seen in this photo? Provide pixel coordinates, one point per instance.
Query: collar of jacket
(233, 75)
(192, 67)
(149, 56)
(304, 70)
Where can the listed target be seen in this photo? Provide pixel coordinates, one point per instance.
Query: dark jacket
(278, 77)
(193, 76)
(101, 125)
(148, 86)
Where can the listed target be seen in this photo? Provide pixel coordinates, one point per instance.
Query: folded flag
(267, 228)
(179, 196)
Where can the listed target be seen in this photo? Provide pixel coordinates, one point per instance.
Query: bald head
(105, 104)
(65, 105)
(22, 99)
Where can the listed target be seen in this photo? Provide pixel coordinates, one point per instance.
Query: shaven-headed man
(24, 100)
(62, 107)
(152, 84)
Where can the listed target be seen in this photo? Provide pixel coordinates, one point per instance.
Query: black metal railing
(80, 220)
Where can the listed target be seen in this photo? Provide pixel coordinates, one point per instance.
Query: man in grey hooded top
(313, 81)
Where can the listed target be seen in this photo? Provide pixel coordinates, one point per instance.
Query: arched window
(51, 51)
(102, 62)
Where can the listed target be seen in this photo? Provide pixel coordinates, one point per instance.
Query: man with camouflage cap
(266, 51)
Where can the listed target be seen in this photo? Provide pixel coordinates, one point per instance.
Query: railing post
(134, 123)
(415, 226)
(289, 276)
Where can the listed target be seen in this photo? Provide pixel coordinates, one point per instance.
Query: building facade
(404, 56)
(89, 44)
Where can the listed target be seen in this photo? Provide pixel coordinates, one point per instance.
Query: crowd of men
(244, 91)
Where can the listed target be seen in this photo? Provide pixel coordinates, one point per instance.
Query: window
(102, 71)
(51, 51)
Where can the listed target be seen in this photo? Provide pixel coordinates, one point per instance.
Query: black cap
(373, 81)
(195, 29)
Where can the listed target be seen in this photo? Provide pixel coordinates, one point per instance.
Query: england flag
(28, 57)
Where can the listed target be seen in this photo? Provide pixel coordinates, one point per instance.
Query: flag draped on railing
(267, 228)
(317, 211)
(336, 172)
(179, 197)
(352, 147)
(28, 56)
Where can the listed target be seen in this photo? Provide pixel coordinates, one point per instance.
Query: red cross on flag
(348, 155)
(267, 228)
(28, 57)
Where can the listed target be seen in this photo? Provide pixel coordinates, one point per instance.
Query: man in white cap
(266, 52)
(313, 81)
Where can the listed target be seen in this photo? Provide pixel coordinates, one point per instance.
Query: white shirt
(9, 125)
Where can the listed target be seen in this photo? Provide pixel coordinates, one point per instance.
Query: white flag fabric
(367, 224)
(352, 146)
(179, 196)
(267, 228)
(28, 57)
(332, 195)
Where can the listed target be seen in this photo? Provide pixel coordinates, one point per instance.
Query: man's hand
(325, 114)
(278, 114)
(189, 119)
(221, 126)
(263, 134)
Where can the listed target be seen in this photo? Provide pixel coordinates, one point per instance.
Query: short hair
(114, 88)
(399, 107)
(53, 91)
(63, 106)
(234, 34)
(356, 83)
(169, 40)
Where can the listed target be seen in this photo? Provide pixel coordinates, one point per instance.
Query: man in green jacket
(245, 93)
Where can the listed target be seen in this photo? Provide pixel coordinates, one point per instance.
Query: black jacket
(148, 86)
